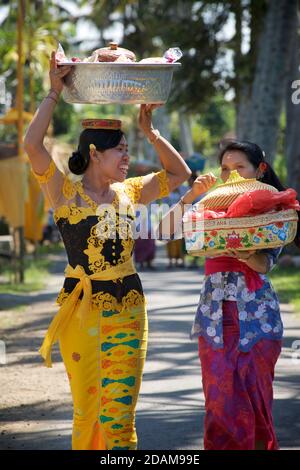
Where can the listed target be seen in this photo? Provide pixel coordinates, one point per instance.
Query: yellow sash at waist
(66, 310)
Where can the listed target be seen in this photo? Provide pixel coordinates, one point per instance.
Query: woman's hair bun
(77, 163)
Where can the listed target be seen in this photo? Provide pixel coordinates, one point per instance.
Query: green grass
(36, 271)
(18, 308)
(200, 260)
(286, 282)
(50, 249)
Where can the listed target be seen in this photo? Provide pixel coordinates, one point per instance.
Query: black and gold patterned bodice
(85, 247)
(98, 237)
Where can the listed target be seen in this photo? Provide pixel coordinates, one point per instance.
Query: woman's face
(237, 160)
(114, 162)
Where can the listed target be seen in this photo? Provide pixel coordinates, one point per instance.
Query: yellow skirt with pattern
(104, 362)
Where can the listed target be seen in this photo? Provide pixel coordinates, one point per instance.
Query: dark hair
(255, 155)
(102, 139)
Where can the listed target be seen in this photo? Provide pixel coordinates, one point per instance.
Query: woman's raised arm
(44, 169)
(34, 138)
(175, 167)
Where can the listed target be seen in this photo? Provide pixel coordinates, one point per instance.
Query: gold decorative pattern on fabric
(66, 311)
(69, 188)
(85, 197)
(100, 233)
(106, 301)
(128, 245)
(163, 183)
(62, 296)
(76, 213)
(133, 299)
(111, 425)
(133, 188)
(73, 213)
(47, 175)
(95, 244)
(89, 200)
(97, 261)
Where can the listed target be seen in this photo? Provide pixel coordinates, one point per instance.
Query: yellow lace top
(98, 237)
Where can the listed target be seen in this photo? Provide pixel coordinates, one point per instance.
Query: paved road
(36, 406)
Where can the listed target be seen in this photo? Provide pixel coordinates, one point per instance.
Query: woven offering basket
(211, 237)
(226, 193)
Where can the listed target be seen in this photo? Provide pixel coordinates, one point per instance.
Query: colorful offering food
(114, 53)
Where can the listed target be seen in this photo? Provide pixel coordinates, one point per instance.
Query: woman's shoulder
(131, 187)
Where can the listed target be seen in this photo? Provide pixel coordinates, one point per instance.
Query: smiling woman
(237, 322)
(101, 325)
(102, 157)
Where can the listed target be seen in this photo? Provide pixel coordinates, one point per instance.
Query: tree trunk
(186, 139)
(244, 63)
(237, 61)
(292, 141)
(271, 75)
(242, 110)
(32, 106)
(19, 232)
(19, 252)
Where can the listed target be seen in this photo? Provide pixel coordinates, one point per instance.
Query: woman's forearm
(258, 262)
(172, 220)
(170, 159)
(41, 121)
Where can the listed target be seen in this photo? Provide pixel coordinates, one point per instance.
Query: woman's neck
(96, 183)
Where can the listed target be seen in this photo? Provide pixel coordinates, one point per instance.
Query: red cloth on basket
(257, 202)
(262, 201)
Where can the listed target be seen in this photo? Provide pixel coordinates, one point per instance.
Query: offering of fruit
(112, 53)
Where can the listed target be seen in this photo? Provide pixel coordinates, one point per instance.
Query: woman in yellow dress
(101, 325)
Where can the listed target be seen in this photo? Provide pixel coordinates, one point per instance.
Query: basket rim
(121, 64)
(243, 223)
(212, 252)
